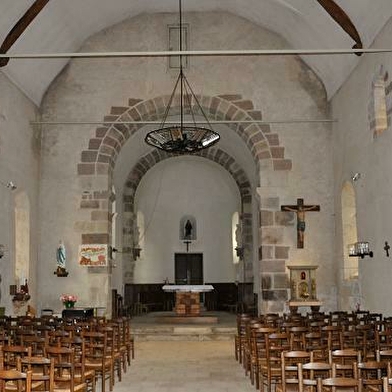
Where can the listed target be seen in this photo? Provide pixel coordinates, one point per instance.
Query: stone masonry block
(281, 281)
(282, 164)
(275, 295)
(95, 238)
(89, 204)
(100, 215)
(282, 252)
(270, 202)
(267, 252)
(284, 218)
(277, 152)
(266, 282)
(266, 218)
(86, 168)
(273, 139)
(271, 235)
(277, 266)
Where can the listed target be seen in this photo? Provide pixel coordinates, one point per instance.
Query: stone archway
(216, 155)
(99, 159)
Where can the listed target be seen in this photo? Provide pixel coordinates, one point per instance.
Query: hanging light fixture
(183, 138)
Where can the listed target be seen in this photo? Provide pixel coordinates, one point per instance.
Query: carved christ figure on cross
(300, 210)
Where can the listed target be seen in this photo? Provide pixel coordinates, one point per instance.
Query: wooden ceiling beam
(343, 20)
(20, 27)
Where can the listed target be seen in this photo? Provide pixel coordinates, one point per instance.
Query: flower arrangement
(68, 300)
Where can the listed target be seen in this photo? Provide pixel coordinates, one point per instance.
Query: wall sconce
(134, 251)
(239, 252)
(355, 177)
(359, 249)
(10, 185)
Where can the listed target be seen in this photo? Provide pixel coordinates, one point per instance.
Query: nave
(179, 366)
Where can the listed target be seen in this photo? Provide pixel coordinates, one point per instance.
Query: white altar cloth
(190, 288)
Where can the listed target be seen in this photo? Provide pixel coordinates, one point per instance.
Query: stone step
(187, 333)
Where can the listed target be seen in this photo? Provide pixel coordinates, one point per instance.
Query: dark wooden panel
(149, 294)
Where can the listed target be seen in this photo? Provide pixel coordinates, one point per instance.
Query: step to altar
(175, 319)
(190, 333)
(161, 326)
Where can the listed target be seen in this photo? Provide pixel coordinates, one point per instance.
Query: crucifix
(386, 248)
(187, 243)
(300, 210)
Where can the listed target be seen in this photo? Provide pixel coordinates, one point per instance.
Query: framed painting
(93, 255)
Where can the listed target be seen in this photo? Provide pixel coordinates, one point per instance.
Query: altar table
(78, 313)
(188, 297)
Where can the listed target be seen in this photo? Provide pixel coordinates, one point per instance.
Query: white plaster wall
(19, 162)
(310, 148)
(356, 151)
(282, 87)
(186, 186)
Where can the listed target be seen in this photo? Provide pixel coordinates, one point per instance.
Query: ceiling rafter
(343, 20)
(20, 26)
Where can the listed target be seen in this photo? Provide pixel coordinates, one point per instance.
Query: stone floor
(184, 366)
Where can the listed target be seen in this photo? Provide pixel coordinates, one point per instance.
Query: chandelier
(181, 137)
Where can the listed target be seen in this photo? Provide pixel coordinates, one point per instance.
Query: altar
(187, 297)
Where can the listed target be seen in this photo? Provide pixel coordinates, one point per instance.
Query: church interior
(298, 184)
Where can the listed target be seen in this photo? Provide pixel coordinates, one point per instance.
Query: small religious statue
(188, 230)
(386, 248)
(300, 210)
(60, 260)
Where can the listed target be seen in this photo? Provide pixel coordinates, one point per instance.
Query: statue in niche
(61, 260)
(238, 235)
(136, 236)
(188, 230)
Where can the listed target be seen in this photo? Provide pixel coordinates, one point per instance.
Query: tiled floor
(183, 366)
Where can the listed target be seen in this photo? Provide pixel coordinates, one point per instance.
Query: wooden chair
(332, 337)
(36, 342)
(112, 351)
(42, 372)
(258, 352)
(309, 373)
(383, 339)
(247, 343)
(339, 384)
(271, 368)
(15, 381)
(10, 354)
(290, 381)
(371, 373)
(78, 345)
(297, 337)
(366, 340)
(97, 358)
(127, 339)
(314, 342)
(64, 370)
(345, 361)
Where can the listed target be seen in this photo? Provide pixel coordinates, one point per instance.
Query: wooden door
(188, 268)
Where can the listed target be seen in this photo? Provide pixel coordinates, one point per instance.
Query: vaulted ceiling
(63, 25)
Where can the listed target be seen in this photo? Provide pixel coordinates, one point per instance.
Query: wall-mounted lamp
(355, 177)
(359, 249)
(134, 251)
(10, 185)
(239, 250)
